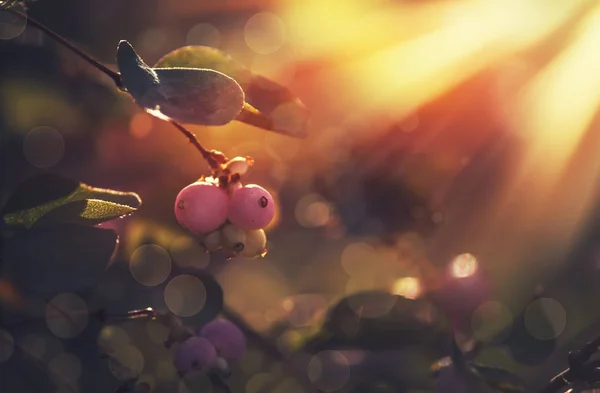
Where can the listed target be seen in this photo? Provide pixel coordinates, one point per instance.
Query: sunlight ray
(553, 114)
(406, 76)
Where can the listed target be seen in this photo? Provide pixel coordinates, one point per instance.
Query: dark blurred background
(445, 135)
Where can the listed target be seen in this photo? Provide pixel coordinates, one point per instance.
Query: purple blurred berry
(227, 338)
(194, 354)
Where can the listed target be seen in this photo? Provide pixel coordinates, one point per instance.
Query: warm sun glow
(555, 111)
(464, 265)
(469, 40)
(408, 287)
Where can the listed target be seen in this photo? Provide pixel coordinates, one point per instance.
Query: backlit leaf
(269, 105)
(183, 94)
(85, 212)
(42, 195)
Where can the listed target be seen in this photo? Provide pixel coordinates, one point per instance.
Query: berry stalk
(209, 156)
(580, 368)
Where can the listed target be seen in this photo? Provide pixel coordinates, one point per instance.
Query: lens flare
(464, 265)
(408, 287)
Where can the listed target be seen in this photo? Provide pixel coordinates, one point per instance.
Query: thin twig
(101, 315)
(207, 154)
(115, 76)
(577, 368)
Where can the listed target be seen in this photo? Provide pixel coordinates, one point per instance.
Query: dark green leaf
(68, 202)
(269, 105)
(523, 346)
(381, 321)
(57, 259)
(182, 94)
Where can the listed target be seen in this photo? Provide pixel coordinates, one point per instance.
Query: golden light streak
(558, 106)
(553, 187)
(341, 28)
(412, 73)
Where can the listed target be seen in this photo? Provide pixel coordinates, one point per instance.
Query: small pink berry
(201, 207)
(251, 207)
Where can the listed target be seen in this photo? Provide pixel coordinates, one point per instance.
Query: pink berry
(201, 207)
(251, 207)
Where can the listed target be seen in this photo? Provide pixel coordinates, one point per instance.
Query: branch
(579, 370)
(212, 157)
(115, 76)
(101, 315)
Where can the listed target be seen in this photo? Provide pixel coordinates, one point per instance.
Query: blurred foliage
(59, 254)
(379, 320)
(61, 258)
(522, 344)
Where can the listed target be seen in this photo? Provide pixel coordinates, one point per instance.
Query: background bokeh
(446, 136)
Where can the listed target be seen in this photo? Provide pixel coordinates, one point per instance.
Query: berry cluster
(217, 346)
(226, 214)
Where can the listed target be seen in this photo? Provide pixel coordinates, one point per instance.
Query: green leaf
(57, 259)
(269, 105)
(208, 58)
(65, 201)
(381, 321)
(182, 94)
(84, 212)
